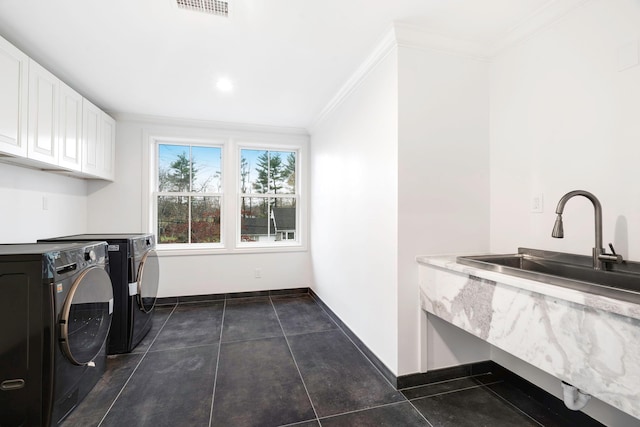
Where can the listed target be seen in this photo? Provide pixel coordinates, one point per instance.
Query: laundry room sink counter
(591, 300)
(587, 340)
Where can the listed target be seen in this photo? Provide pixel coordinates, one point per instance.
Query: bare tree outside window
(266, 177)
(189, 194)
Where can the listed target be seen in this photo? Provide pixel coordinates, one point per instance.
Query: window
(222, 192)
(188, 194)
(268, 196)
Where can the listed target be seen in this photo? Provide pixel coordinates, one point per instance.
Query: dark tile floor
(276, 361)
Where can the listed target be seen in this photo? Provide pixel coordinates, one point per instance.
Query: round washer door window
(86, 316)
(148, 278)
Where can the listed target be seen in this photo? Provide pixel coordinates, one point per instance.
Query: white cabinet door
(98, 147)
(108, 130)
(91, 121)
(44, 105)
(44, 121)
(70, 129)
(13, 99)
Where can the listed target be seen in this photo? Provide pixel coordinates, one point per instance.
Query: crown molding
(207, 124)
(550, 13)
(384, 47)
(398, 35)
(415, 37)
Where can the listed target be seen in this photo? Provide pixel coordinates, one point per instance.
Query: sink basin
(619, 281)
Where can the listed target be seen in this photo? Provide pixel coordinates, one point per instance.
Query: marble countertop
(599, 302)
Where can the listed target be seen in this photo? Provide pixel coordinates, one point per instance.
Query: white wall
(564, 117)
(411, 142)
(214, 274)
(354, 217)
(122, 206)
(26, 192)
(443, 187)
(447, 345)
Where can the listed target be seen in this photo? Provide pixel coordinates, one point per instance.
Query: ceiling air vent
(215, 7)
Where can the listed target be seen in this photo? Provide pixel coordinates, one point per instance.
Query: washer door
(86, 316)
(148, 278)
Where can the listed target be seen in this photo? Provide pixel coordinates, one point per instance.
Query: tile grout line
(515, 407)
(215, 378)
(295, 362)
(137, 365)
(186, 347)
(297, 334)
(446, 381)
(356, 346)
(421, 414)
(252, 339)
(454, 391)
(369, 360)
(297, 423)
(269, 337)
(370, 408)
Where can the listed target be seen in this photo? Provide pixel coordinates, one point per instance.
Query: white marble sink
(619, 281)
(590, 341)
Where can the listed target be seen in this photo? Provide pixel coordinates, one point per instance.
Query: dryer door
(86, 316)
(148, 278)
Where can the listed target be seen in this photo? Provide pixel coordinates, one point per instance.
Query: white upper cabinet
(70, 129)
(44, 104)
(45, 124)
(108, 133)
(13, 99)
(91, 121)
(98, 135)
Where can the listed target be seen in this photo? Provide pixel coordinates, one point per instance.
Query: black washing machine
(134, 272)
(55, 310)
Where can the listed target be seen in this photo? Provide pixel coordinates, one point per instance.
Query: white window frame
(276, 244)
(231, 142)
(187, 142)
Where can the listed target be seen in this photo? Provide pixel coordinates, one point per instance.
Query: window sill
(170, 252)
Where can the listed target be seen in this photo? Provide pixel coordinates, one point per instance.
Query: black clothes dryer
(55, 312)
(134, 272)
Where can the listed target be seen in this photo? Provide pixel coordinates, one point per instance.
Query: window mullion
(183, 194)
(190, 169)
(189, 219)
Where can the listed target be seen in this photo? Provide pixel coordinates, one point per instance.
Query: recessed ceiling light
(224, 85)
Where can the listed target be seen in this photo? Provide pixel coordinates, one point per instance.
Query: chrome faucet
(600, 257)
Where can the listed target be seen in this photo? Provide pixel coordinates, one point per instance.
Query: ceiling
(286, 58)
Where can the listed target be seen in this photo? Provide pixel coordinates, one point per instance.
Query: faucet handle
(613, 257)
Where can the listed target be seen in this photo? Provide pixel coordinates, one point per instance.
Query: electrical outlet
(537, 203)
(258, 273)
(45, 203)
